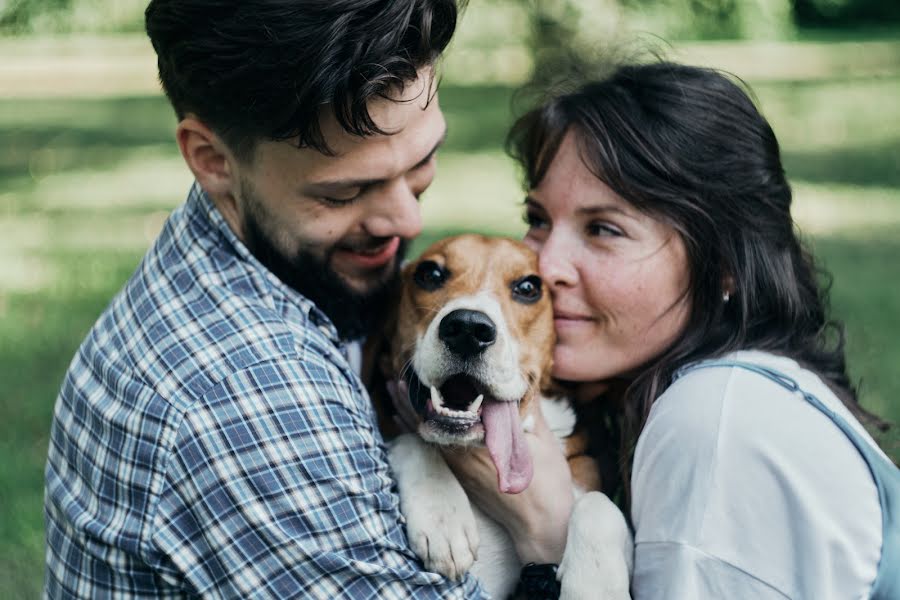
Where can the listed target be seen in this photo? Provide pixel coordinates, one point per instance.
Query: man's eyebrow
(429, 156)
(361, 183)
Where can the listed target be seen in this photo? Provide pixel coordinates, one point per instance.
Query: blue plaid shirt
(210, 438)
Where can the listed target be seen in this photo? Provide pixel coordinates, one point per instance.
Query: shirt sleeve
(278, 486)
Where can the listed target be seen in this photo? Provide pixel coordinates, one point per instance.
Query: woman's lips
(570, 316)
(564, 319)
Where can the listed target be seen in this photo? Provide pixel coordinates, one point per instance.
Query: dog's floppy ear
(550, 387)
(377, 370)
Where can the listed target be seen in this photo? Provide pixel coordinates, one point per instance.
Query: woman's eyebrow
(597, 209)
(589, 210)
(530, 201)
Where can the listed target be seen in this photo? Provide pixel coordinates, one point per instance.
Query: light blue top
(884, 472)
(740, 491)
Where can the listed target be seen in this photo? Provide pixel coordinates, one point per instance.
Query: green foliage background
(89, 170)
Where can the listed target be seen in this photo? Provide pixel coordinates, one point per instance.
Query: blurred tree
(21, 17)
(713, 19)
(842, 13)
(18, 16)
(564, 34)
(553, 39)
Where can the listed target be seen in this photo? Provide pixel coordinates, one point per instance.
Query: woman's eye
(604, 229)
(430, 276)
(527, 289)
(533, 220)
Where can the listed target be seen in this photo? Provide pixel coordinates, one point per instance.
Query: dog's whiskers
(410, 393)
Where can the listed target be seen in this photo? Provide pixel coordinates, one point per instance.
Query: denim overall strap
(885, 474)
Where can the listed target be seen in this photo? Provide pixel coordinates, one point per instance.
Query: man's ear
(206, 156)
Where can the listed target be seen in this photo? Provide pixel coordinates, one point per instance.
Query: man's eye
(527, 290)
(430, 276)
(339, 202)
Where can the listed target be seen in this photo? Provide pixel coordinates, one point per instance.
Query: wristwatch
(537, 582)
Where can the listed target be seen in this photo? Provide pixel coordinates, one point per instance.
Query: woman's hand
(537, 518)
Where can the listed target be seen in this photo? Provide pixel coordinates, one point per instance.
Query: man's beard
(354, 314)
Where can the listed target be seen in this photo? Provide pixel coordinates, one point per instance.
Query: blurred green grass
(86, 183)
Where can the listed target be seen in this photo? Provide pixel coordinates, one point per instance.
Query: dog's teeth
(437, 402)
(477, 404)
(436, 399)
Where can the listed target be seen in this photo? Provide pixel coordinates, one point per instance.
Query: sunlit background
(89, 171)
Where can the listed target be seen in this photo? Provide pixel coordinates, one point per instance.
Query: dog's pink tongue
(506, 445)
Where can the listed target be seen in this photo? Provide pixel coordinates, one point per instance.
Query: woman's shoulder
(747, 362)
(727, 429)
(731, 462)
(752, 398)
(693, 406)
(753, 381)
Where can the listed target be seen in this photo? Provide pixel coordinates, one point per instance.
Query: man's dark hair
(265, 69)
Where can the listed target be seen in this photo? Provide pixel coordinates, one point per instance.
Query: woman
(660, 210)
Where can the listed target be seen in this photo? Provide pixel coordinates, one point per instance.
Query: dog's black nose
(467, 333)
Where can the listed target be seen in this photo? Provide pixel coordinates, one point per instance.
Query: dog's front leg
(599, 555)
(439, 519)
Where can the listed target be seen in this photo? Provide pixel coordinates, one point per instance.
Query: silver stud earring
(726, 296)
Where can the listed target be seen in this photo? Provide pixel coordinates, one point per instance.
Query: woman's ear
(728, 287)
(206, 156)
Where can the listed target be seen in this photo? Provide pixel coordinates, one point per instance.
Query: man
(210, 437)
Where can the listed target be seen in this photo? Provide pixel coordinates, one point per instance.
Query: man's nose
(395, 212)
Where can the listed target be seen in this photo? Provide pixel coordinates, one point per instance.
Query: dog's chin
(451, 413)
(445, 433)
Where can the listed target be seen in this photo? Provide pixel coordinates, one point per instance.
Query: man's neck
(227, 206)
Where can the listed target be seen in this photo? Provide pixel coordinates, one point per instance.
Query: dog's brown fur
(476, 263)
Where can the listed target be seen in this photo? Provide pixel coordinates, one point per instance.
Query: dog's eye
(430, 276)
(527, 290)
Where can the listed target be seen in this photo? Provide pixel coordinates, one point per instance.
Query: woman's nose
(556, 261)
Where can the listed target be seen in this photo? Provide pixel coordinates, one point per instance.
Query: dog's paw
(439, 519)
(442, 532)
(598, 558)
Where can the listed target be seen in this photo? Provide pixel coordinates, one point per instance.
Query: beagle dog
(471, 335)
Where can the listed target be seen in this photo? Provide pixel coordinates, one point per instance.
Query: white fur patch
(560, 416)
(528, 424)
(599, 554)
(497, 368)
(439, 519)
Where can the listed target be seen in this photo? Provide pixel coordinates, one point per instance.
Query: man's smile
(370, 258)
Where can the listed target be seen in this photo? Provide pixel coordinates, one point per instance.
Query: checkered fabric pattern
(210, 439)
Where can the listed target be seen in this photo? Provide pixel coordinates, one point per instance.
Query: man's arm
(277, 486)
